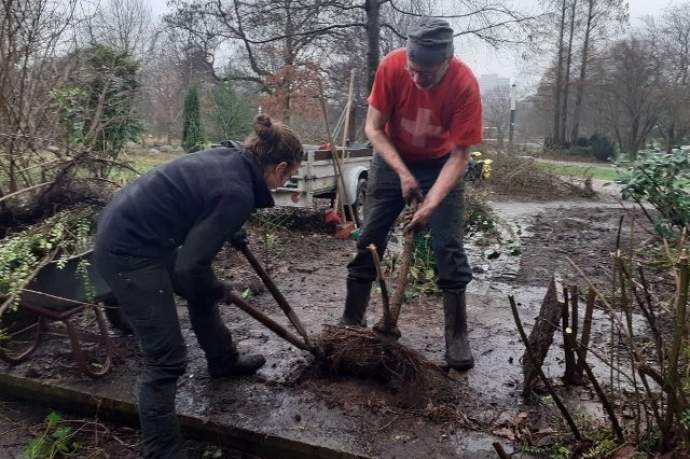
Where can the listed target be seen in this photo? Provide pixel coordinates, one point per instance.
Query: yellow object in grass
(486, 168)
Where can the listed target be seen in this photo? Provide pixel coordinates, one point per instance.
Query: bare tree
(600, 15)
(670, 37)
(163, 85)
(33, 37)
(125, 25)
(277, 55)
(496, 108)
(278, 40)
(558, 86)
(566, 78)
(630, 92)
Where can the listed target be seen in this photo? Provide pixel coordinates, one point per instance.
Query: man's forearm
(452, 171)
(384, 147)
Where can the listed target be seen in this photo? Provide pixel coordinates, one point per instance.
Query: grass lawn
(608, 173)
(142, 162)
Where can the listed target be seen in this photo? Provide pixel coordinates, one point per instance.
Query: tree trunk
(559, 82)
(289, 59)
(633, 138)
(286, 101)
(669, 139)
(373, 9)
(13, 167)
(583, 74)
(566, 84)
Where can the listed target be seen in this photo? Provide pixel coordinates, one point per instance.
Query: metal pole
(511, 130)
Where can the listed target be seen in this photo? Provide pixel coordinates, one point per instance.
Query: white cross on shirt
(421, 128)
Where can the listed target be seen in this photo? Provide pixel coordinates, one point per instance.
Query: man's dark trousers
(383, 205)
(144, 289)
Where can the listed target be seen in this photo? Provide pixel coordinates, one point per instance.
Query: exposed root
(366, 354)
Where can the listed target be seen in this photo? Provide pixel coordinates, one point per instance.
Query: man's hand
(419, 219)
(410, 188)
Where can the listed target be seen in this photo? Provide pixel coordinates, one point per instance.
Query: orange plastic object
(344, 231)
(332, 217)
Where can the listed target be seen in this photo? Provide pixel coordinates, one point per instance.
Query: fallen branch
(24, 190)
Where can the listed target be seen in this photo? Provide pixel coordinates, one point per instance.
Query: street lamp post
(511, 130)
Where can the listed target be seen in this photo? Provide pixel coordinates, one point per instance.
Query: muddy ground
(288, 398)
(24, 424)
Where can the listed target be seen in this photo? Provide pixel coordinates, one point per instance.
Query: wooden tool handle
(403, 271)
(277, 295)
(271, 324)
(382, 283)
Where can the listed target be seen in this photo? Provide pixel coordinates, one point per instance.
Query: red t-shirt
(427, 123)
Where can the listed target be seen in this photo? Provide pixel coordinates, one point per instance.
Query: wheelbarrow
(58, 294)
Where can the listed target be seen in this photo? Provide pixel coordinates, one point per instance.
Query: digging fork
(240, 243)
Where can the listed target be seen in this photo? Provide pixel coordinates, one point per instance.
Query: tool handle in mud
(271, 324)
(382, 284)
(405, 261)
(277, 295)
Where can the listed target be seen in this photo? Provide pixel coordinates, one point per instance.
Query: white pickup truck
(316, 178)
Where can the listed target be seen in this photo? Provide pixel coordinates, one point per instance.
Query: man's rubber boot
(458, 351)
(237, 365)
(356, 303)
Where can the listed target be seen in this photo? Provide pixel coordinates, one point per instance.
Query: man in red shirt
(424, 114)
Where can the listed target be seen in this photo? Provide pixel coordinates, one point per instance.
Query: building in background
(491, 82)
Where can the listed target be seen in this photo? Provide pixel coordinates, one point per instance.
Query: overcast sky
(484, 59)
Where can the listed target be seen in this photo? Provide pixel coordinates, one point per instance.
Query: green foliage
(60, 236)
(97, 106)
(685, 419)
(212, 452)
(555, 451)
(423, 266)
(582, 142)
(478, 216)
(597, 146)
(54, 441)
(603, 445)
(229, 113)
(192, 130)
(601, 147)
(660, 179)
(247, 294)
(268, 240)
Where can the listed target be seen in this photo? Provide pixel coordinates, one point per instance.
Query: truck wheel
(360, 200)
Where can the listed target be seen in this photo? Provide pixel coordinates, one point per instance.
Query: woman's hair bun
(264, 127)
(273, 143)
